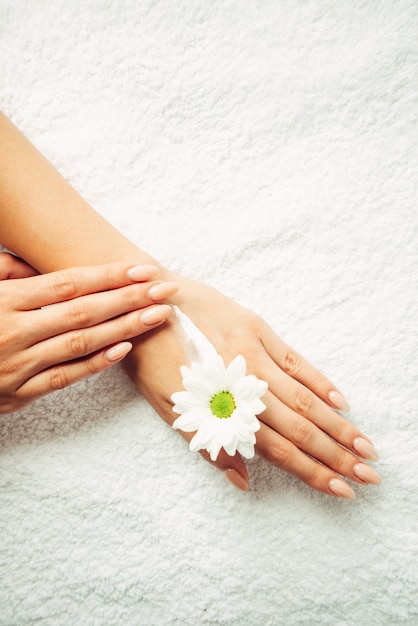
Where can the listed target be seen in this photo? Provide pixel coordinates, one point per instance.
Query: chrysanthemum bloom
(221, 404)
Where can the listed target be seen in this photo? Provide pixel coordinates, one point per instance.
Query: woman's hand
(44, 347)
(300, 433)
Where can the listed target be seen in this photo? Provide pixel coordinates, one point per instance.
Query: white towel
(268, 149)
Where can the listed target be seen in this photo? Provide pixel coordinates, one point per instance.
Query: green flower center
(222, 404)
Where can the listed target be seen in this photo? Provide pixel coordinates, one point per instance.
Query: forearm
(44, 220)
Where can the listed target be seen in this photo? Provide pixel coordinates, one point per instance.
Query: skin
(301, 432)
(95, 310)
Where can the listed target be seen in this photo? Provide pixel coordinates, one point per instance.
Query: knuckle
(79, 315)
(12, 401)
(10, 368)
(11, 333)
(279, 454)
(77, 345)
(111, 277)
(292, 363)
(301, 432)
(65, 285)
(8, 404)
(57, 378)
(339, 460)
(304, 402)
(313, 476)
(132, 324)
(131, 299)
(342, 431)
(93, 365)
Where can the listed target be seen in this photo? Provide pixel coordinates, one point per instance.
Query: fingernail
(115, 353)
(236, 479)
(367, 474)
(156, 314)
(162, 290)
(340, 488)
(337, 399)
(140, 273)
(365, 448)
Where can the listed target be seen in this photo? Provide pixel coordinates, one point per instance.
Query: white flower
(221, 404)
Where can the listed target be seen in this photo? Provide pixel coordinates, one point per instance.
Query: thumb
(13, 267)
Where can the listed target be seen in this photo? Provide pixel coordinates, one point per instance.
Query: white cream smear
(198, 347)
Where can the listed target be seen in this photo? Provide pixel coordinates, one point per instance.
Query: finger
(285, 455)
(64, 375)
(307, 404)
(79, 344)
(298, 368)
(13, 267)
(91, 310)
(40, 291)
(313, 441)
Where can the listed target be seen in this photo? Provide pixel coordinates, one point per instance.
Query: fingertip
(141, 273)
(340, 489)
(118, 352)
(338, 401)
(160, 291)
(237, 479)
(156, 314)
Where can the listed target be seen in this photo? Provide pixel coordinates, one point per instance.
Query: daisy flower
(220, 403)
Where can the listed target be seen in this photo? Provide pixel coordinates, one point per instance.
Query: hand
(44, 348)
(300, 433)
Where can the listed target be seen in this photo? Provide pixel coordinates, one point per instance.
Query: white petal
(246, 449)
(215, 373)
(214, 448)
(206, 432)
(257, 406)
(245, 388)
(191, 420)
(245, 410)
(235, 371)
(244, 427)
(199, 388)
(262, 387)
(226, 431)
(231, 449)
(185, 401)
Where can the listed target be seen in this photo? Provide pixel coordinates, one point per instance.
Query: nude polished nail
(365, 449)
(337, 399)
(156, 314)
(115, 353)
(162, 290)
(367, 474)
(341, 489)
(144, 272)
(236, 479)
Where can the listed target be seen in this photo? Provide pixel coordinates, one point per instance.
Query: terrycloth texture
(269, 149)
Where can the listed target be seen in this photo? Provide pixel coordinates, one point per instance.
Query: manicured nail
(337, 399)
(156, 314)
(340, 488)
(162, 290)
(365, 448)
(236, 479)
(116, 353)
(367, 474)
(142, 272)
